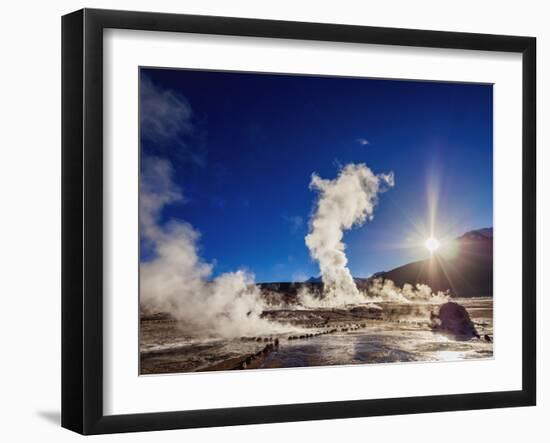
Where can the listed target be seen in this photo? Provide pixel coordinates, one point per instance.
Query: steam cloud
(167, 123)
(385, 290)
(177, 281)
(344, 202)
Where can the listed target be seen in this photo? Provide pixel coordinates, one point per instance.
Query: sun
(432, 244)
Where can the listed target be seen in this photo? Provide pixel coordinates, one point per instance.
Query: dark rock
(454, 319)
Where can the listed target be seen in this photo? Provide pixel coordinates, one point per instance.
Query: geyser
(344, 202)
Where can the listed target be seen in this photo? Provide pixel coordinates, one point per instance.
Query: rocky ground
(381, 333)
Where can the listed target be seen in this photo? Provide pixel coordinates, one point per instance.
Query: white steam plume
(176, 281)
(344, 202)
(385, 290)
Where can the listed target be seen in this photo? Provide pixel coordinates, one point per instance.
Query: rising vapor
(344, 202)
(385, 290)
(176, 281)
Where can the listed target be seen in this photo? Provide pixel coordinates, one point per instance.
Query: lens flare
(432, 244)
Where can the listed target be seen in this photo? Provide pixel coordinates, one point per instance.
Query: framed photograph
(269, 221)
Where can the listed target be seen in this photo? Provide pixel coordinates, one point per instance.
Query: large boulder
(454, 319)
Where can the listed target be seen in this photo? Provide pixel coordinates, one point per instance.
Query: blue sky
(243, 147)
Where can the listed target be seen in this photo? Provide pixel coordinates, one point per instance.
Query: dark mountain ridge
(464, 268)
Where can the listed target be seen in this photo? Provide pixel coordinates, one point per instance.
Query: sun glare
(432, 244)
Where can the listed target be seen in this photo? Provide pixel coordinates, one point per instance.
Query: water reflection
(390, 340)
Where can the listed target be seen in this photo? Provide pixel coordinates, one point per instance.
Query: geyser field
(320, 337)
(306, 220)
(191, 322)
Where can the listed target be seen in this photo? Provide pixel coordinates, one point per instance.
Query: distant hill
(468, 272)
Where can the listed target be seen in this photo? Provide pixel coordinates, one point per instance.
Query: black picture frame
(82, 220)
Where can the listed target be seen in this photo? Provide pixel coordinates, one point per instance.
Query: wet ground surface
(357, 335)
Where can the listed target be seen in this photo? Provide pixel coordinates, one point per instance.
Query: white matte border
(126, 392)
